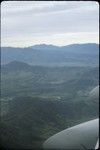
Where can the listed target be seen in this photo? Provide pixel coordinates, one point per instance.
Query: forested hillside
(38, 101)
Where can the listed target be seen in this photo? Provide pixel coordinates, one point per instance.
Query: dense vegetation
(38, 101)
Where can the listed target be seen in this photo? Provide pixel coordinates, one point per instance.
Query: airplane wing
(82, 136)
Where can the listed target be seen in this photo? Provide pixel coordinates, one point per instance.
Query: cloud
(41, 19)
(17, 7)
(55, 39)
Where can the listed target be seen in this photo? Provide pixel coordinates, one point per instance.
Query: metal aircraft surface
(82, 136)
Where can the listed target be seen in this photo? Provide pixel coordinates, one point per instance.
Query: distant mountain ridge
(41, 46)
(50, 55)
(44, 46)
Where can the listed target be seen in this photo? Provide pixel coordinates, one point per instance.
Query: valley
(39, 101)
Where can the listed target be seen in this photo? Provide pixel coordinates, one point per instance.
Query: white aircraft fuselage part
(97, 145)
(82, 136)
(94, 94)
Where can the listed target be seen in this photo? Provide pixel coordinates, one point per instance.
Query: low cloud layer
(48, 22)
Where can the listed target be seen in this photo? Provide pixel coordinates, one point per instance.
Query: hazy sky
(25, 23)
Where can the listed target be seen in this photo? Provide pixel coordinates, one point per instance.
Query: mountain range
(38, 100)
(50, 55)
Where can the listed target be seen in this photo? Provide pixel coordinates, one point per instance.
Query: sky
(26, 23)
